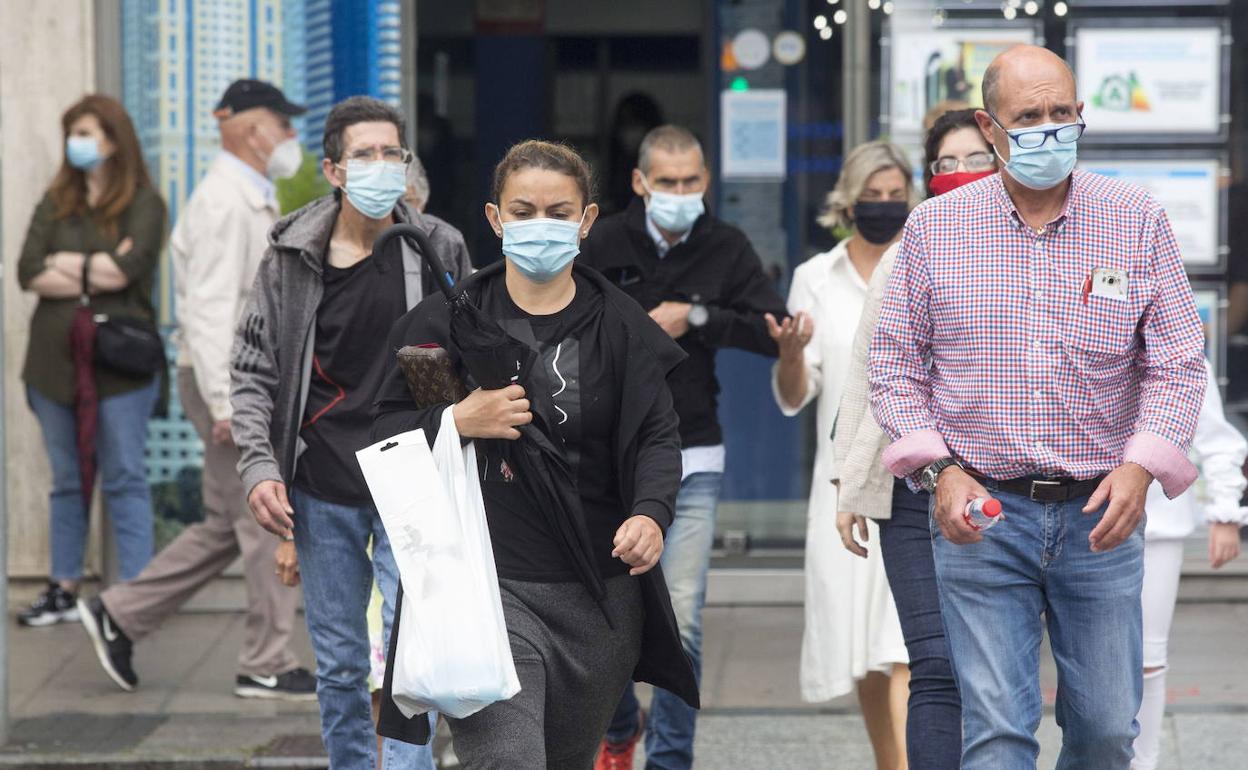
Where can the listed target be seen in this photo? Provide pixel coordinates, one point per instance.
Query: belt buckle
(1041, 483)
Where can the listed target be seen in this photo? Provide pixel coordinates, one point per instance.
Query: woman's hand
(1223, 543)
(287, 563)
(845, 522)
(792, 334)
(492, 413)
(639, 544)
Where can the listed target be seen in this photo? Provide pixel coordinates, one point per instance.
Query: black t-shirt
(582, 380)
(359, 306)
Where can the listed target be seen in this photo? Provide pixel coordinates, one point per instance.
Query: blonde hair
(865, 160)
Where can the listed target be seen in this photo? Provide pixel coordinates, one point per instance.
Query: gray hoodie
(271, 361)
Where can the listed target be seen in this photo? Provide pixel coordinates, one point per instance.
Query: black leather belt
(1043, 490)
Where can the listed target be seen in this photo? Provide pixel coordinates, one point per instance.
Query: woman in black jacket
(601, 379)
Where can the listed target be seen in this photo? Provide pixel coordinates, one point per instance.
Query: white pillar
(47, 62)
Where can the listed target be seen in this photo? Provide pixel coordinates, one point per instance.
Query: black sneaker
(297, 684)
(55, 605)
(112, 646)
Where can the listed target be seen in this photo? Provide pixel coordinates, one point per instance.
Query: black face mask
(879, 221)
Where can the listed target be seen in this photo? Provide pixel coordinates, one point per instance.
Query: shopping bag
(453, 654)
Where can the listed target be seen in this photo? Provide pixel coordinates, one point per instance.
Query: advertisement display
(1188, 190)
(1211, 307)
(753, 126)
(928, 66)
(1150, 80)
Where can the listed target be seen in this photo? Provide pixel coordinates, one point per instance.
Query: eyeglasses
(1030, 140)
(400, 155)
(978, 161)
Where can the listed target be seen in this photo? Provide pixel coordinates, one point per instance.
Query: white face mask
(285, 160)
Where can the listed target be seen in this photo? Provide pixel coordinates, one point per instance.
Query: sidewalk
(68, 714)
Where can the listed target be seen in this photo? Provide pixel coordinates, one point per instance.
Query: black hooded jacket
(648, 460)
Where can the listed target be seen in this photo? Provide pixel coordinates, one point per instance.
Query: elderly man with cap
(1039, 344)
(216, 248)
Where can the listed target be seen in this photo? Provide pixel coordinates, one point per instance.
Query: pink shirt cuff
(1162, 459)
(914, 451)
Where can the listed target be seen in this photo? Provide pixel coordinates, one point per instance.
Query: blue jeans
(120, 447)
(332, 543)
(686, 559)
(993, 593)
(934, 722)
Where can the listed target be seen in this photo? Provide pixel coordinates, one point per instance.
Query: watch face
(698, 315)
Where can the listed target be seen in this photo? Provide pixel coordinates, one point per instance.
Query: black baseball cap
(248, 94)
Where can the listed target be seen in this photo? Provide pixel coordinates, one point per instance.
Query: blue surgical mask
(83, 152)
(373, 187)
(542, 248)
(673, 213)
(1043, 167)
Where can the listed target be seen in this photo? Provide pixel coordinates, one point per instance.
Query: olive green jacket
(49, 368)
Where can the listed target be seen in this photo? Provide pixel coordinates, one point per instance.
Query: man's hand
(287, 563)
(954, 489)
(492, 413)
(639, 544)
(221, 433)
(1125, 489)
(673, 317)
(845, 522)
(272, 510)
(792, 334)
(1223, 543)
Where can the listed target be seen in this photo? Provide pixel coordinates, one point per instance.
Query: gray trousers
(573, 668)
(203, 551)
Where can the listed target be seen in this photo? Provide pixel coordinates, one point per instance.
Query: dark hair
(125, 170)
(946, 124)
(666, 137)
(550, 156)
(357, 109)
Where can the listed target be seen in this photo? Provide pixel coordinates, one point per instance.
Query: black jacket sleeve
(658, 469)
(394, 412)
(737, 321)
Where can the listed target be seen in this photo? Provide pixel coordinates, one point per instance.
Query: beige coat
(865, 485)
(221, 235)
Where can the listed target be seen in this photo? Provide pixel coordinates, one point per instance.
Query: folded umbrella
(494, 359)
(86, 397)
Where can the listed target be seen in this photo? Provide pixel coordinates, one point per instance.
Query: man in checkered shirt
(1039, 344)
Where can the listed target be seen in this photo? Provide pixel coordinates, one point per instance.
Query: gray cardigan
(271, 363)
(864, 485)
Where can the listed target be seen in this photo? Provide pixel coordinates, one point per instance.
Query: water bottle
(982, 513)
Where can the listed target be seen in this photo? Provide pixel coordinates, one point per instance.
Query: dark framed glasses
(1029, 140)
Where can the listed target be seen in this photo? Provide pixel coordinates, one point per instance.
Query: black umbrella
(494, 359)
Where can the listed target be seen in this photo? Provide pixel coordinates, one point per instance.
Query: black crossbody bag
(131, 347)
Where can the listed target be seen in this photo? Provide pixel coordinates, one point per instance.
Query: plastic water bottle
(983, 513)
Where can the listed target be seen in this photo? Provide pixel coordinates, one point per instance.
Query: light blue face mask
(373, 187)
(542, 248)
(1045, 166)
(671, 212)
(83, 152)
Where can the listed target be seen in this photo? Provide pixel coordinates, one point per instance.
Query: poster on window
(928, 66)
(1209, 307)
(752, 138)
(1188, 191)
(1162, 81)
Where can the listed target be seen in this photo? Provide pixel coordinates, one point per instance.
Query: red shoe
(619, 756)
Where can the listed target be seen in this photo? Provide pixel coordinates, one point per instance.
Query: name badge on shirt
(1110, 283)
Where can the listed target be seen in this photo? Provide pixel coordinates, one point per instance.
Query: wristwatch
(928, 478)
(698, 315)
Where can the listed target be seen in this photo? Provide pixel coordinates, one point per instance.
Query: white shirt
(215, 249)
(698, 459)
(1218, 450)
(828, 288)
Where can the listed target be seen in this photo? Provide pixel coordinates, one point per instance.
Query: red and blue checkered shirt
(991, 347)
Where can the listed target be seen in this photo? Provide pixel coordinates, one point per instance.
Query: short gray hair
(865, 160)
(670, 138)
(417, 184)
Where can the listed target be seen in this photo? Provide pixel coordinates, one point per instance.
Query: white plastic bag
(453, 654)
